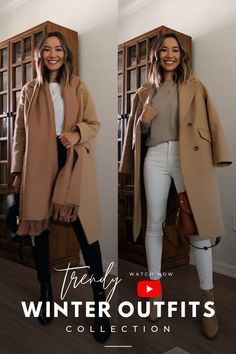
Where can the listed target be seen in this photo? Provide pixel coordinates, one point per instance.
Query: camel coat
(88, 124)
(202, 147)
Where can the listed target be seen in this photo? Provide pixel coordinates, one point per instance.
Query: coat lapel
(186, 94)
(31, 90)
(146, 93)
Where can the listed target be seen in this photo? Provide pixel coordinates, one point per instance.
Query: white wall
(212, 25)
(97, 28)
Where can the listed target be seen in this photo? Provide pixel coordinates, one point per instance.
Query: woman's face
(169, 55)
(53, 54)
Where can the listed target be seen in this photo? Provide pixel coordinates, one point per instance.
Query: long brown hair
(66, 70)
(156, 73)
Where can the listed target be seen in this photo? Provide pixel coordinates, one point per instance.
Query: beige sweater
(165, 126)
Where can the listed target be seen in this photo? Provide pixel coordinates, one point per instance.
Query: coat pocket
(205, 134)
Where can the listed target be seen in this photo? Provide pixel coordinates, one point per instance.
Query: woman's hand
(69, 139)
(17, 183)
(148, 113)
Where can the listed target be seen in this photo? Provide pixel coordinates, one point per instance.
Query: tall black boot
(101, 325)
(46, 296)
(93, 259)
(41, 256)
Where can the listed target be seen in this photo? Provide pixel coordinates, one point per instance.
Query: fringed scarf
(45, 192)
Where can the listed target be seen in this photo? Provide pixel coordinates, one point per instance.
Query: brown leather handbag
(180, 224)
(185, 224)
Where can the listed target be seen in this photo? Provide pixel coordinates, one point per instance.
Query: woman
(53, 168)
(185, 143)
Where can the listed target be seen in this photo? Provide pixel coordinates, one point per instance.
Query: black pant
(91, 252)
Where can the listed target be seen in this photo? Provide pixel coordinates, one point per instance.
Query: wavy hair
(156, 73)
(66, 70)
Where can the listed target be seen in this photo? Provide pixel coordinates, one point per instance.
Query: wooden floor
(185, 333)
(20, 335)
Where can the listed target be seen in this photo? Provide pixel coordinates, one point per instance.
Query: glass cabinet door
(131, 56)
(16, 53)
(3, 80)
(3, 103)
(3, 174)
(17, 77)
(3, 127)
(142, 51)
(4, 120)
(27, 75)
(120, 100)
(27, 50)
(37, 38)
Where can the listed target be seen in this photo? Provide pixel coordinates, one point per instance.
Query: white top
(58, 104)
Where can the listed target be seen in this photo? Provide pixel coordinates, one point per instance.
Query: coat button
(189, 124)
(195, 148)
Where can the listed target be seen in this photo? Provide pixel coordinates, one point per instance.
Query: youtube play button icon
(149, 288)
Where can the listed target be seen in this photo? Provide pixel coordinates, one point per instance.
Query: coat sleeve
(221, 152)
(127, 158)
(18, 148)
(90, 125)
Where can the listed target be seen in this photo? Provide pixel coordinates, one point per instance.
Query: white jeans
(160, 165)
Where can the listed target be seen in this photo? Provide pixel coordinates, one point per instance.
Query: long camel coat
(202, 147)
(87, 121)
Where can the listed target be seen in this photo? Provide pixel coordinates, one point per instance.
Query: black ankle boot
(46, 295)
(101, 326)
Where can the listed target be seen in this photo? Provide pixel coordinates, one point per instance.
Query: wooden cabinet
(17, 68)
(133, 65)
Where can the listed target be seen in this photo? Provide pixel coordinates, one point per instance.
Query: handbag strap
(205, 248)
